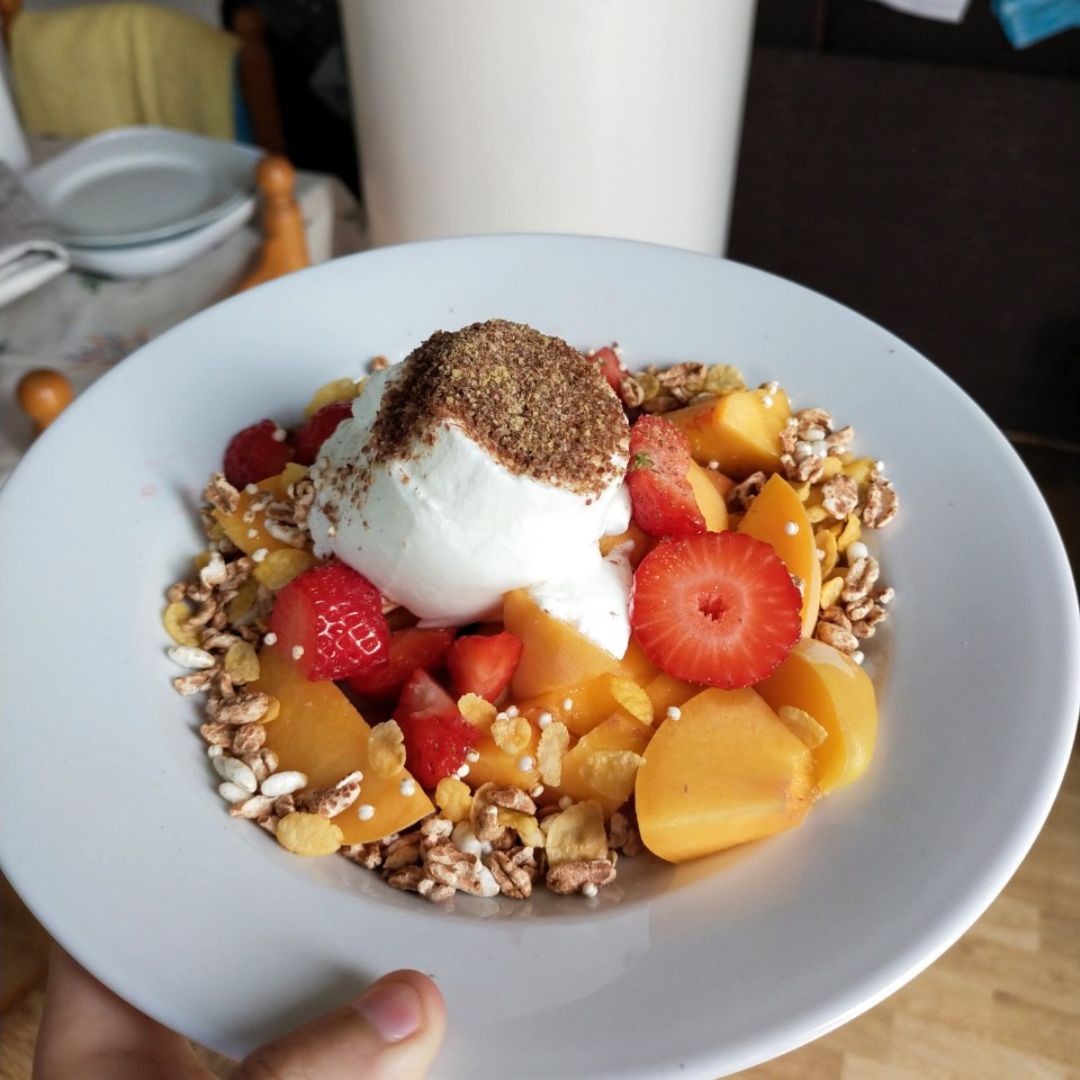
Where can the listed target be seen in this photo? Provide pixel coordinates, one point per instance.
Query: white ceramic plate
(114, 834)
(138, 185)
(162, 256)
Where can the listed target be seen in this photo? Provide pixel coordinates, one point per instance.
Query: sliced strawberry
(330, 620)
(482, 664)
(254, 454)
(318, 428)
(718, 609)
(410, 649)
(661, 496)
(611, 366)
(436, 737)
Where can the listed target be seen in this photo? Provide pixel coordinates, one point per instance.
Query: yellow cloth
(81, 70)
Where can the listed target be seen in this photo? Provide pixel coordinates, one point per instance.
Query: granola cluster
(660, 390)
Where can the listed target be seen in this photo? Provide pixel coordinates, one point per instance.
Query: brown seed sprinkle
(517, 393)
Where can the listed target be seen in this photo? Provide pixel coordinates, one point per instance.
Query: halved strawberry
(437, 738)
(661, 496)
(409, 649)
(611, 367)
(483, 665)
(330, 620)
(718, 609)
(317, 428)
(256, 453)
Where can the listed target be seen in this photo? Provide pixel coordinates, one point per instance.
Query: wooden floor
(1002, 1004)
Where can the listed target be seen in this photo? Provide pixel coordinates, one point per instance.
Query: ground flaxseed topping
(533, 402)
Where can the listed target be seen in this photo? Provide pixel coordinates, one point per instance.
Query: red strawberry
(330, 619)
(483, 665)
(254, 454)
(436, 737)
(409, 649)
(660, 493)
(611, 366)
(718, 609)
(317, 428)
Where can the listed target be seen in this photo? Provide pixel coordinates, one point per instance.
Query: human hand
(391, 1032)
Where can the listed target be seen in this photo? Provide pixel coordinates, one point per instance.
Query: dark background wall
(927, 175)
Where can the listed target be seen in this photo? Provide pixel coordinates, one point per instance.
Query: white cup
(607, 117)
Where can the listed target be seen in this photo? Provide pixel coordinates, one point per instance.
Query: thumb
(391, 1032)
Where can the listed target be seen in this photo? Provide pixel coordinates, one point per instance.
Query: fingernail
(393, 1009)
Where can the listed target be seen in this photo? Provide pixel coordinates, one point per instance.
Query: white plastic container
(607, 117)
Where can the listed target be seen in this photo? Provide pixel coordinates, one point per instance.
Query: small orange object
(43, 395)
(284, 247)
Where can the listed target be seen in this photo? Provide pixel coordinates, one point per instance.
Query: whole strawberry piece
(330, 620)
(661, 496)
(718, 609)
(255, 453)
(437, 738)
(318, 428)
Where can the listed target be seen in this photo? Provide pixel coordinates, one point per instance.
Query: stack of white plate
(140, 201)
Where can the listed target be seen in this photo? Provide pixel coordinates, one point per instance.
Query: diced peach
(591, 702)
(237, 529)
(319, 733)
(772, 516)
(710, 501)
(636, 666)
(839, 695)
(739, 431)
(665, 690)
(725, 772)
(553, 653)
(639, 542)
(496, 766)
(618, 732)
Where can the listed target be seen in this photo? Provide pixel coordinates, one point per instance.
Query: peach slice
(665, 690)
(590, 702)
(553, 653)
(319, 733)
(709, 499)
(778, 517)
(726, 771)
(237, 529)
(639, 543)
(839, 695)
(740, 431)
(496, 766)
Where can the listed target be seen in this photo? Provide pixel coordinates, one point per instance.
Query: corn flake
(243, 601)
(633, 699)
(831, 467)
(273, 710)
(201, 561)
(851, 532)
(336, 390)
(454, 799)
(577, 834)
(826, 542)
(386, 749)
(611, 773)
(550, 750)
(477, 710)
(308, 834)
(512, 734)
(830, 591)
(282, 565)
(525, 825)
(801, 724)
(859, 470)
(816, 514)
(175, 617)
(242, 662)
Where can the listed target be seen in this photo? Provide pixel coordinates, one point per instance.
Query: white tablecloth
(82, 325)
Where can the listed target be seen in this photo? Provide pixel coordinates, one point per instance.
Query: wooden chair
(255, 72)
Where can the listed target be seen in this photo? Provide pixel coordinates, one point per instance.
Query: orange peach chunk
(725, 772)
(638, 543)
(778, 517)
(839, 695)
(319, 733)
(709, 499)
(740, 431)
(553, 653)
(249, 536)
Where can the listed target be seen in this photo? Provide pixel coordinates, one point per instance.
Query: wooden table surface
(1002, 1004)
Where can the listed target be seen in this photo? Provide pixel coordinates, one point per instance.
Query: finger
(391, 1032)
(89, 1032)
